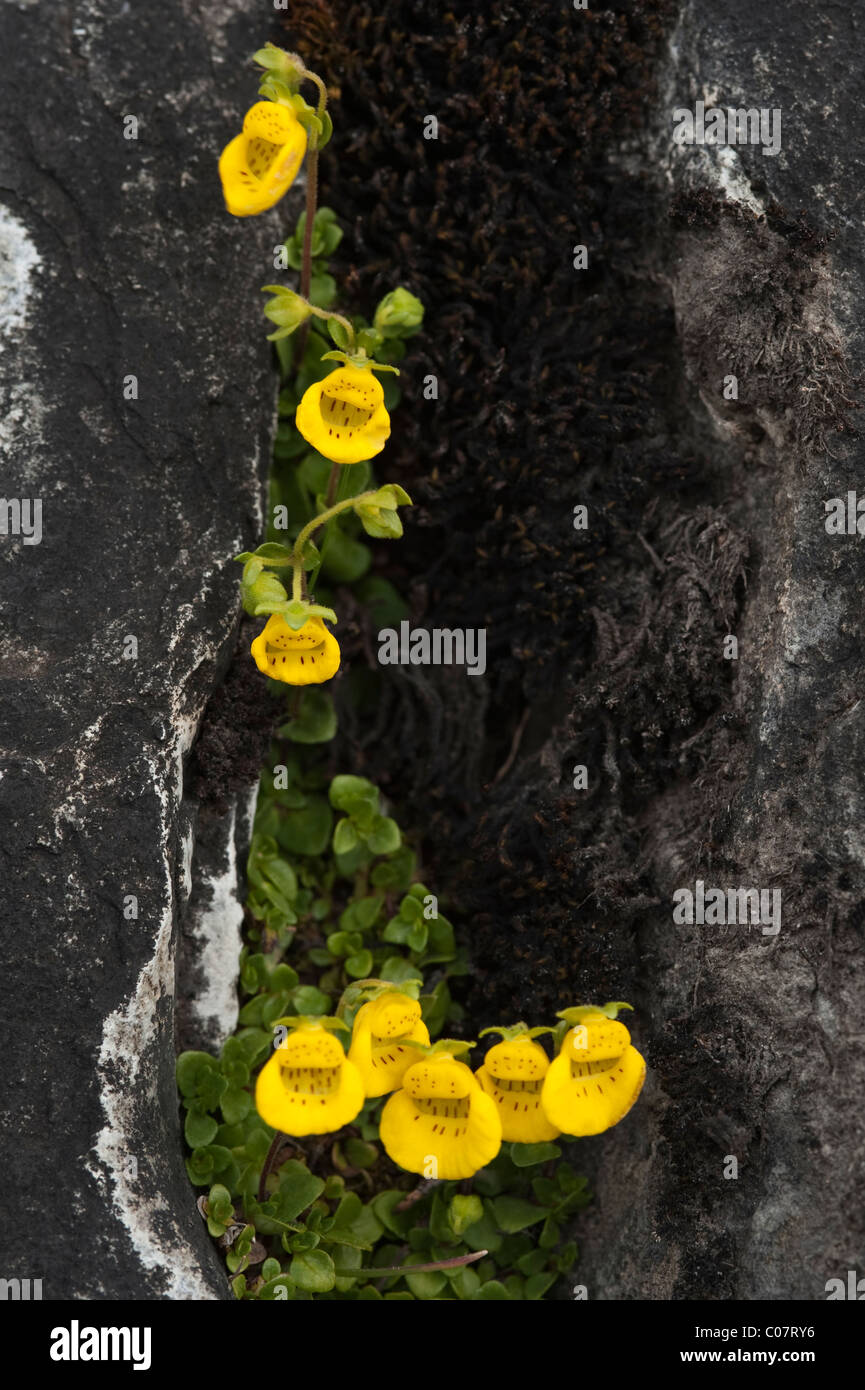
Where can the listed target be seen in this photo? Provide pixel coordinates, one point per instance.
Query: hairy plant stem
(278, 1141)
(296, 560)
(454, 1263)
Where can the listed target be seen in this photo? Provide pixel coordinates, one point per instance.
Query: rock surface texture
(606, 646)
(117, 261)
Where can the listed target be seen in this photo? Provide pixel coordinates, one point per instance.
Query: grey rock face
(758, 1039)
(117, 261)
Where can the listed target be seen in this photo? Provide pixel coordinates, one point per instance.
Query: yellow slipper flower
(595, 1079)
(309, 1086)
(513, 1075)
(442, 1124)
(306, 656)
(343, 417)
(381, 1028)
(258, 166)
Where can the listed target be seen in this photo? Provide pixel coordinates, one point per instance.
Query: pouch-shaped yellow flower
(595, 1079)
(344, 417)
(260, 164)
(381, 1027)
(442, 1124)
(513, 1075)
(309, 1086)
(306, 656)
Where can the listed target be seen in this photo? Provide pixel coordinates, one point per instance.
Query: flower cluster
(341, 415)
(442, 1120)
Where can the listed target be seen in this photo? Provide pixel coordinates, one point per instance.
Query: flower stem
(296, 559)
(311, 202)
(332, 484)
(278, 1142)
(343, 506)
(455, 1263)
(424, 1186)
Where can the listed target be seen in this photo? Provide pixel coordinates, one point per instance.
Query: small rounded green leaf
(313, 1271)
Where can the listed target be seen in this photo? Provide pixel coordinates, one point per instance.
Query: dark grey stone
(116, 259)
(756, 1041)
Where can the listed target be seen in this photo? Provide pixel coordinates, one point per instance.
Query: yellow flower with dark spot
(595, 1079)
(381, 1028)
(513, 1075)
(442, 1124)
(309, 1086)
(344, 417)
(258, 166)
(306, 656)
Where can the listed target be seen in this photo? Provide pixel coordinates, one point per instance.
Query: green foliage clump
(334, 897)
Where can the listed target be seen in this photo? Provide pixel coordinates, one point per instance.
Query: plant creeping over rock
(347, 1149)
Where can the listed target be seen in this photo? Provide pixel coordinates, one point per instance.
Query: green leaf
(271, 1291)
(526, 1155)
(360, 1154)
(199, 1130)
(493, 1290)
(322, 290)
(344, 559)
(537, 1285)
(515, 1213)
(338, 332)
(359, 966)
(349, 1258)
(550, 1235)
(314, 1271)
(534, 1262)
(427, 1285)
(347, 792)
(386, 607)
(464, 1212)
(345, 837)
(306, 831)
(397, 1222)
(361, 914)
(566, 1257)
(440, 945)
(192, 1069)
(398, 971)
(236, 1105)
(309, 1000)
(315, 721)
(385, 836)
(298, 1189)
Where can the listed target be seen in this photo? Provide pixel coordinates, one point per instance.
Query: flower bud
(399, 314)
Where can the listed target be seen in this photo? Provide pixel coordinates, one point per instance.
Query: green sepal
(358, 359)
(307, 117)
(328, 1021)
(261, 591)
(338, 332)
(270, 553)
(274, 59)
(364, 991)
(611, 1010)
(297, 611)
(287, 309)
(516, 1030)
(326, 129)
(453, 1046)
